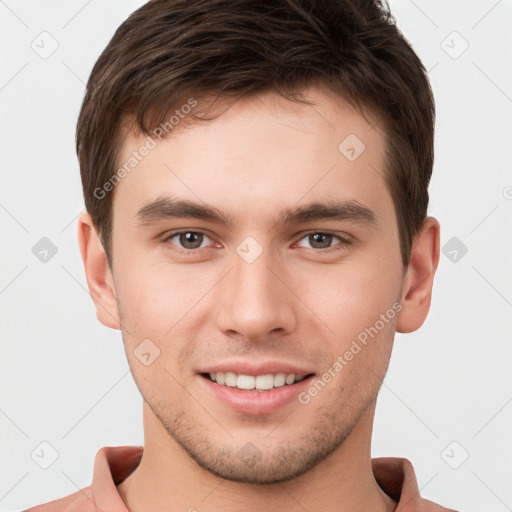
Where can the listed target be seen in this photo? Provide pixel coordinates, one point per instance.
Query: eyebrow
(165, 208)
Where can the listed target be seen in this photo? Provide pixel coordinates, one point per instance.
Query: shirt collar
(113, 464)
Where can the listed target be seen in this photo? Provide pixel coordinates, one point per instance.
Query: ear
(417, 287)
(99, 277)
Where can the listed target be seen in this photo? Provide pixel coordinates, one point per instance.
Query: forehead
(262, 151)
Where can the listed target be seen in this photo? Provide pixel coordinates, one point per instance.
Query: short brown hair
(169, 50)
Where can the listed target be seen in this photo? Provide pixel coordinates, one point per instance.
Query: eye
(188, 241)
(322, 240)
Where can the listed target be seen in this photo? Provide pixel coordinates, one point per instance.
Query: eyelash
(341, 246)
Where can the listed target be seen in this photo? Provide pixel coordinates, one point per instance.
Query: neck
(168, 479)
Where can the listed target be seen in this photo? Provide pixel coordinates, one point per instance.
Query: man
(256, 176)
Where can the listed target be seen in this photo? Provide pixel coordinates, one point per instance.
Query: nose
(256, 301)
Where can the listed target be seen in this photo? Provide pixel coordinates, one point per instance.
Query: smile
(257, 382)
(255, 394)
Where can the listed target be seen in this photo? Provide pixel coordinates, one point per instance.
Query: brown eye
(187, 240)
(191, 240)
(320, 240)
(324, 241)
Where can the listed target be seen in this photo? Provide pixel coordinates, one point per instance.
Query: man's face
(262, 295)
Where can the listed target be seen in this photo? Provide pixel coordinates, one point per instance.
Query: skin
(293, 303)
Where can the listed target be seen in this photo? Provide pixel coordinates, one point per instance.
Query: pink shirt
(114, 463)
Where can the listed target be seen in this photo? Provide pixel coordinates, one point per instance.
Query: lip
(255, 402)
(254, 369)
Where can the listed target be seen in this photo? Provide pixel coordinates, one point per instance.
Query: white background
(64, 377)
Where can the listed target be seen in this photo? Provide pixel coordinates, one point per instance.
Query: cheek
(349, 297)
(153, 309)
(158, 298)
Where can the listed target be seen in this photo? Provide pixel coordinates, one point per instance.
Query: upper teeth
(260, 382)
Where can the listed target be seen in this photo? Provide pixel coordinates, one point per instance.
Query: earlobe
(419, 278)
(99, 278)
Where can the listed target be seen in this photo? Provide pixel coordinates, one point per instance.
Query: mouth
(255, 394)
(259, 383)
